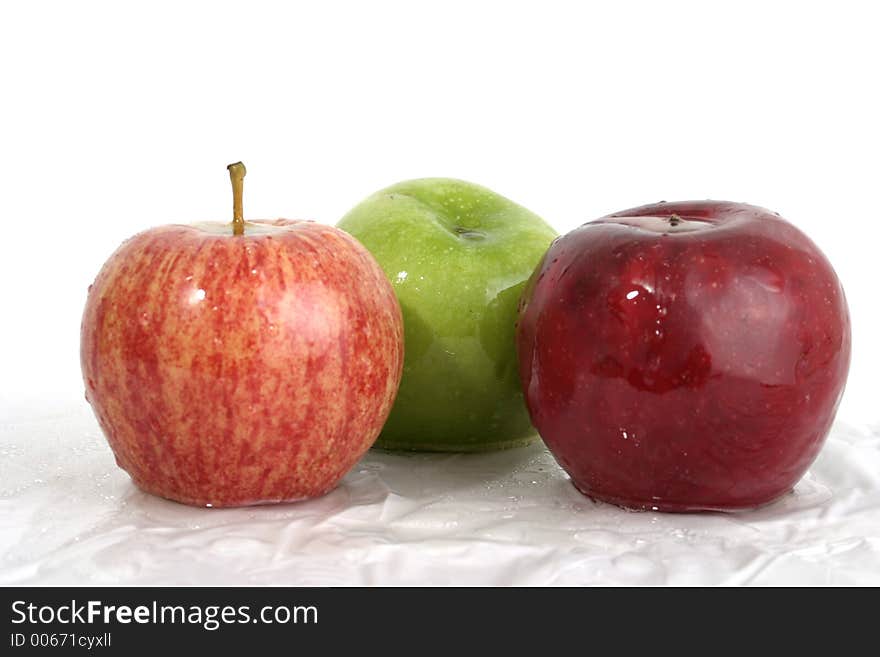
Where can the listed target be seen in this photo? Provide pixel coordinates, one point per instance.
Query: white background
(115, 117)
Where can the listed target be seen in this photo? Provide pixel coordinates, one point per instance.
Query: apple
(684, 356)
(243, 364)
(458, 256)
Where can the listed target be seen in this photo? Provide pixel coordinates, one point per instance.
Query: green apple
(458, 256)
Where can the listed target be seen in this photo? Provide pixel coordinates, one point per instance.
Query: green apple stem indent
(237, 173)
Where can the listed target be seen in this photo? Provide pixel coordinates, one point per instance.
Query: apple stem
(237, 173)
(674, 220)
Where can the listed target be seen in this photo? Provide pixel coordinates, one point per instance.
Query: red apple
(231, 369)
(684, 356)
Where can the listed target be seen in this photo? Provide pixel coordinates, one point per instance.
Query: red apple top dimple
(686, 216)
(253, 228)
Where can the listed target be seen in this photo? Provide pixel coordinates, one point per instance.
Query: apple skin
(686, 367)
(458, 256)
(234, 370)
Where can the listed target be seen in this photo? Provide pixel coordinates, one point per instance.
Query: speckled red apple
(232, 369)
(684, 356)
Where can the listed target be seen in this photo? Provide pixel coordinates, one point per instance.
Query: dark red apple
(241, 364)
(684, 356)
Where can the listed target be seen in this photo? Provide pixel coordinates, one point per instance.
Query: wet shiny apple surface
(458, 256)
(684, 356)
(229, 370)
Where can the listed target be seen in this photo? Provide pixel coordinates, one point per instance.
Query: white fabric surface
(68, 515)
